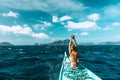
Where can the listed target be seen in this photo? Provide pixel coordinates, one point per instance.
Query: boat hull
(80, 73)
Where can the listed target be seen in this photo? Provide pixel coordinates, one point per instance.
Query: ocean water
(44, 62)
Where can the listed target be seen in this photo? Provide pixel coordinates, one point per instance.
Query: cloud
(94, 16)
(40, 35)
(116, 24)
(47, 5)
(15, 29)
(51, 32)
(64, 18)
(86, 25)
(10, 14)
(106, 28)
(24, 30)
(55, 19)
(42, 26)
(61, 19)
(112, 11)
(84, 33)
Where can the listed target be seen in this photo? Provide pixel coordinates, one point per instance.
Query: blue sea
(44, 62)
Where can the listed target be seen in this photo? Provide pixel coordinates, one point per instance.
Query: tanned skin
(73, 51)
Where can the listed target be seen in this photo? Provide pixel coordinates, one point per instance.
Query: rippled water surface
(44, 62)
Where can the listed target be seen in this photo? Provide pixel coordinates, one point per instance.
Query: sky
(25, 22)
